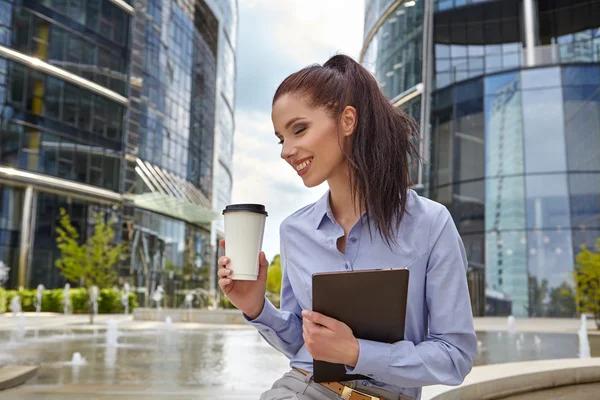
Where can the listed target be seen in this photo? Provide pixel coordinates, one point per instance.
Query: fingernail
(306, 313)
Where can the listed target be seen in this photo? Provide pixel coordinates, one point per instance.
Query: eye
(280, 141)
(299, 130)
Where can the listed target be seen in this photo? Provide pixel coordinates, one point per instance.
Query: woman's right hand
(247, 296)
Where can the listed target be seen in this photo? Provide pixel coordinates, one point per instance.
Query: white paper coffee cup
(244, 230)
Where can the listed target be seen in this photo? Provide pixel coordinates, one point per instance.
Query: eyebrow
(289, 123)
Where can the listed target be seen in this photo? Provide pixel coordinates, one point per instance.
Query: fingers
(225, 278)
(263, 266)
(224, 284)
(262, 260)
(223, 261)
(222, 243)
(224, 273)
(320, 319)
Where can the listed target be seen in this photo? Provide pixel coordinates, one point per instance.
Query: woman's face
(309, 138)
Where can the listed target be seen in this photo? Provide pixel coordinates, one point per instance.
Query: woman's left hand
(328, 339)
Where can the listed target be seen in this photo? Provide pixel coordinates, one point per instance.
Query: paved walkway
(577, 392)
(123, 392)
(14, 375)
(538, 325)
(53, 321)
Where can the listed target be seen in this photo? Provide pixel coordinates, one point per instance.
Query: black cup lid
(255, 208)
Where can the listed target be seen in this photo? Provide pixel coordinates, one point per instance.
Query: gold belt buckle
(353, 394)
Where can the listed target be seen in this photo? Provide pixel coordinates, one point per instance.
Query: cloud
(275, 39)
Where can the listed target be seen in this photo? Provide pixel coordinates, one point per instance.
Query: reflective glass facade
(176, 124)
(486, 38)
(119, 101)
(395, 52)
(227, 11)
(514, 138)
(54, 124)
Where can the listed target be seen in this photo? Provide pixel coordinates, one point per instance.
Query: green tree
(587, 277)
(274, 279)
(274, 275)
(91, 263)
(562, 301)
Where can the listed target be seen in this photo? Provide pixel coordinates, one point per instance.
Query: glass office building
(509, 105)
(110, 106)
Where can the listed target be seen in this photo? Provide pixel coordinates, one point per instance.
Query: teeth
(303, 165)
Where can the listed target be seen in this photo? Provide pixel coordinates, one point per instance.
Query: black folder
(371, 302)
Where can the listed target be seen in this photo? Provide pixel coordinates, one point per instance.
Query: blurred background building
(124, 107)
(508, 96)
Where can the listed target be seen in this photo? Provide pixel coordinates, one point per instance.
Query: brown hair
(382, 145)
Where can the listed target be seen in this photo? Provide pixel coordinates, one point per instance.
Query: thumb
(263, 266)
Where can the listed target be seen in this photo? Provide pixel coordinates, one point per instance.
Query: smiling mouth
(303, 165)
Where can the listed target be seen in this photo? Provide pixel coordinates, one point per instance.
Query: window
(543, 124)
(547, 202)
(584, 190)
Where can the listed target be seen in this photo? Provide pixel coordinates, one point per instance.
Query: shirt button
(353, 240)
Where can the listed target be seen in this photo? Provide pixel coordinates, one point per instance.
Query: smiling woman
(335, 125)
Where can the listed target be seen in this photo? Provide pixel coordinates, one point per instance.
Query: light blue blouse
(440, 339)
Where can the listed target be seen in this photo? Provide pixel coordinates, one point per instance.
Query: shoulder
(299, 220)
(424, 208)
(427, 214)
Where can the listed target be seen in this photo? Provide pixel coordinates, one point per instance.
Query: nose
(288, 150)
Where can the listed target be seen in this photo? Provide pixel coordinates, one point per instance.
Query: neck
(340, 198)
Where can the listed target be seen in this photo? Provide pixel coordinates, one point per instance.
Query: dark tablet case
(371, 302)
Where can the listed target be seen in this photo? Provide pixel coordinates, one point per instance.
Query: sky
(275, 39)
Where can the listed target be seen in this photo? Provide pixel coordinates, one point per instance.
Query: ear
(349, 120)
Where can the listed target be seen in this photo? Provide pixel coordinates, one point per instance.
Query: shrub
(225, 303)
(109, 301)
(2, 300)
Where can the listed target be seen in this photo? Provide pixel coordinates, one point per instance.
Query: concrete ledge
(11, 376)
(221, 317)
(501, 380)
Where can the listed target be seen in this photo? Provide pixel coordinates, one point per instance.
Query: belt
(345, 392)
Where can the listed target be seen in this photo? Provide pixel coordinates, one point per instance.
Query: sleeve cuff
(373, 359)
(269, 318)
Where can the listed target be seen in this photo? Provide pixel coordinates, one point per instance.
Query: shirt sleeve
(446, 355)
(282, 329)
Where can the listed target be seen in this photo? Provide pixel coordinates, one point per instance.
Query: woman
(335, 125)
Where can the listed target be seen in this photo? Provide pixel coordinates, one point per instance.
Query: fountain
(519, 345)
(537, 341)
(584, 343)
(157, 296)
(125, 298)
(94, 295)
(512, 325)
(37, 300)
(202, 295)
(78, 360)
(3, 273)
(189, 299)
(66, 300)
(15, 305)
(112, 333)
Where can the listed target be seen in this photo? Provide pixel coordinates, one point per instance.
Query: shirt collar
(322, 209)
